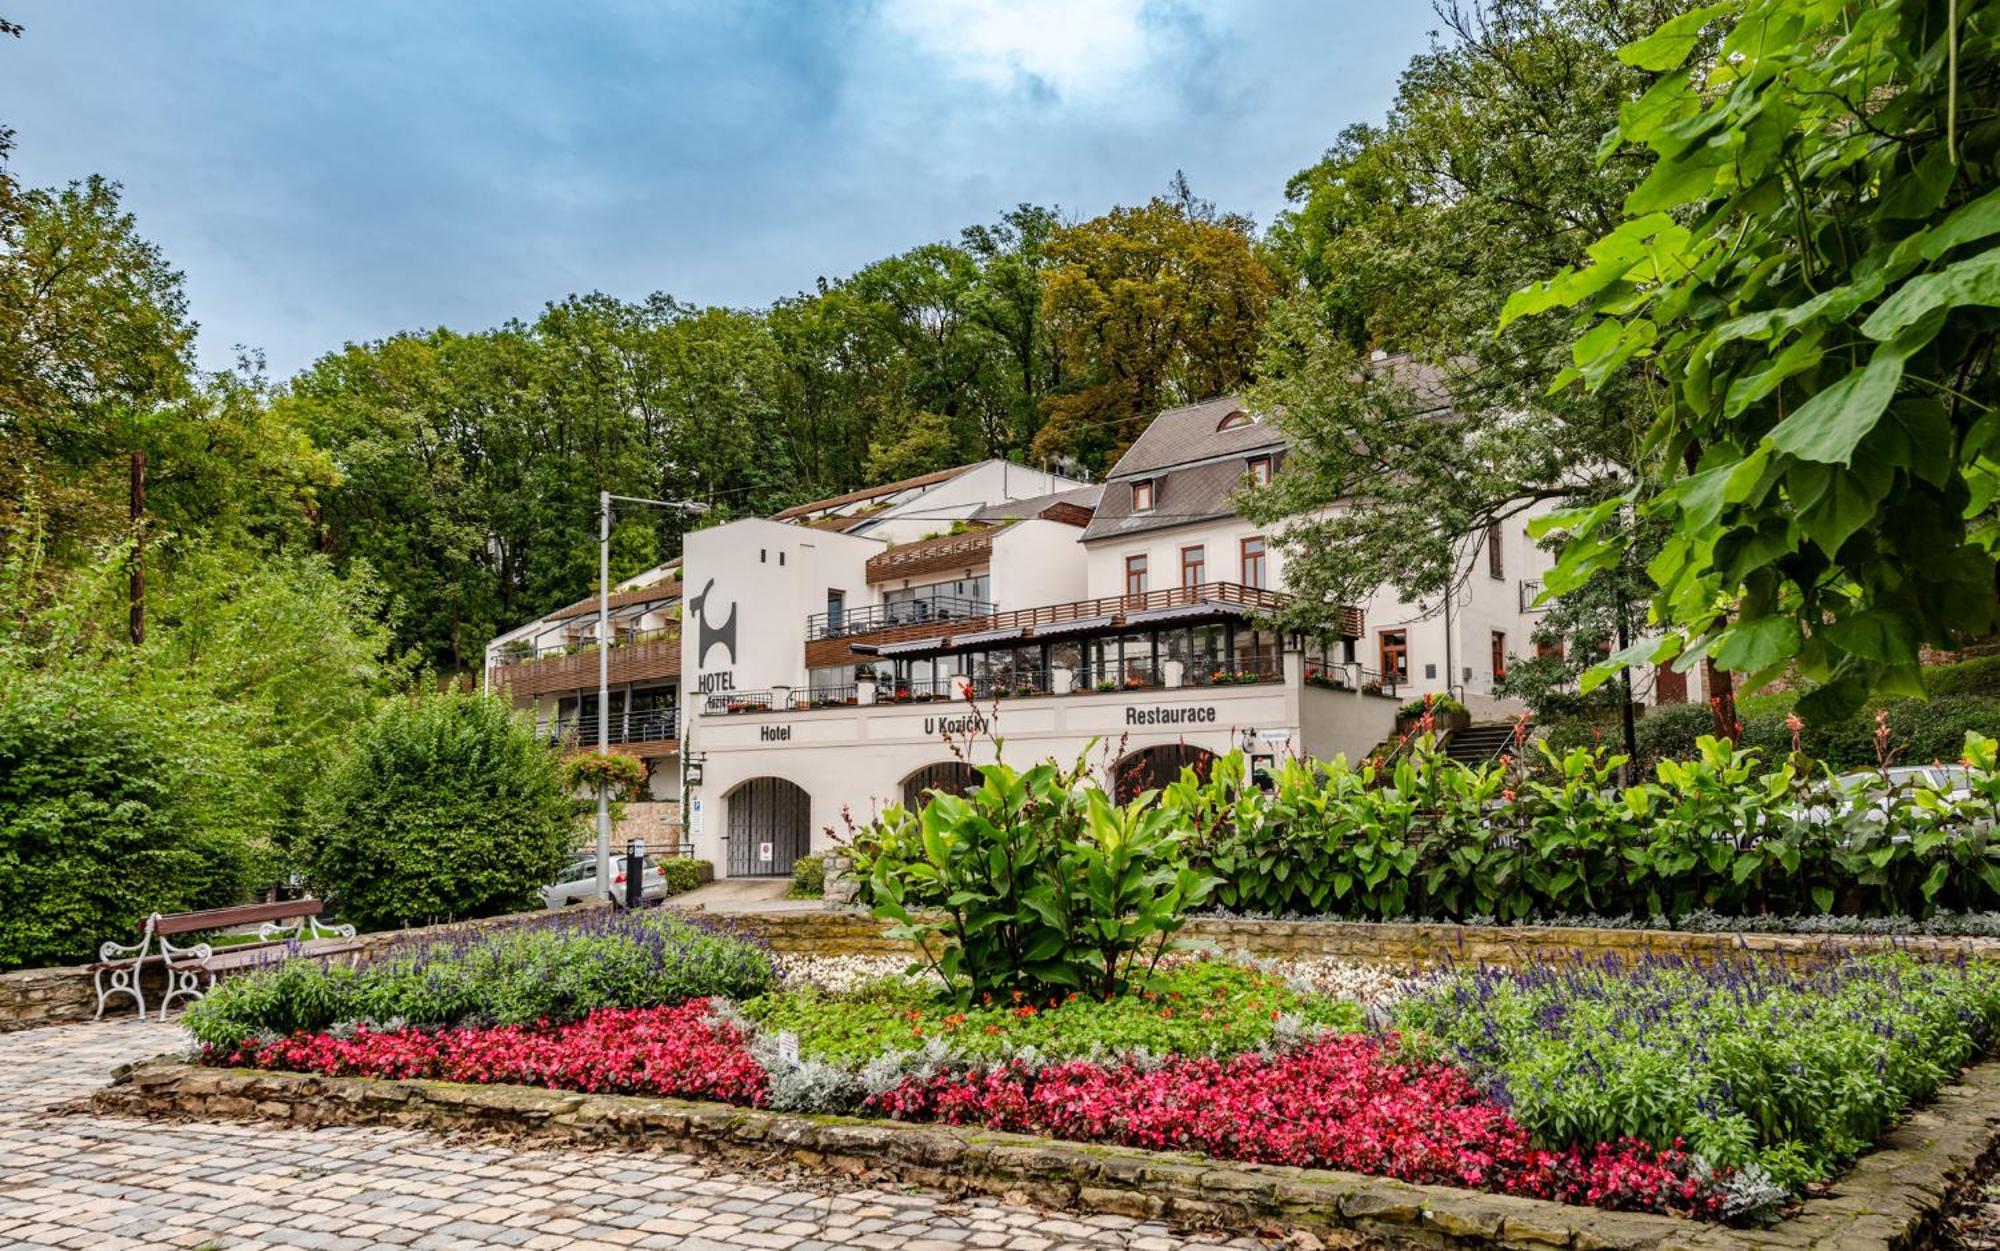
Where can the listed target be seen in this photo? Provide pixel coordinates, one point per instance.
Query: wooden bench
(192, 970)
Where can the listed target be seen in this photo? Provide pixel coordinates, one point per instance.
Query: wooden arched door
(770, 827)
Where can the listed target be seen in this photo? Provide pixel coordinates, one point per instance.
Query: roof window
(1236, 420)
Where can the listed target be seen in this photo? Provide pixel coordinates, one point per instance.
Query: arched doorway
(953, 777)
(770, 826)
(1152, 767)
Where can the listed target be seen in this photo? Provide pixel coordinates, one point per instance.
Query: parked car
(578, 882)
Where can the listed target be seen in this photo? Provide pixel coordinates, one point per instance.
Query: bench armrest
(178, 956)
(304, 929)
(118, 953)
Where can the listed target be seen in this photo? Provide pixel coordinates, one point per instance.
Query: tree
(1807, 276)
(1145, 308)
(449, 807)
(1407, 238)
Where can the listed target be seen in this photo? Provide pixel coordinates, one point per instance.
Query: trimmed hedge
(1921, 731)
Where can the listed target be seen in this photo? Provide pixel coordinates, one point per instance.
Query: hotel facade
(789, 674)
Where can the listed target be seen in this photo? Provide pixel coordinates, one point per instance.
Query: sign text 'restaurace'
(1189, 714)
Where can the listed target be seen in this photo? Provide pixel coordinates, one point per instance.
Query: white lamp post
(604, 499)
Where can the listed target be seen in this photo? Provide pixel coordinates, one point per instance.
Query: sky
(338, 171)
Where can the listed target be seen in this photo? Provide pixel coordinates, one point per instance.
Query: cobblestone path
(72, 1179)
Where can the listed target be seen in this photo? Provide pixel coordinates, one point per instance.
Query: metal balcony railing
(639, 727)
(869, 618)
(522, 650)
(1531, 590)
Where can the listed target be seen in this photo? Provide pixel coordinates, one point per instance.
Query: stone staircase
(1479, 742)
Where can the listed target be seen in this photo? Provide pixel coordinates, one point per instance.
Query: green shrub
(1921, 731)
(449, 807)
(1206, 1007)
(1724, 832)
(1794, 1069)
(1031, 881)
(1977, 676)
(556, 968)
(109, 810)
(684, 873)
(808, 877)
(1436, 705)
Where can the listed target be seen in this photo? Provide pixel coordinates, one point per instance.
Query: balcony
(653, 732)
(636, 655)
(874, 618)
(862, 636)
(1531, 590)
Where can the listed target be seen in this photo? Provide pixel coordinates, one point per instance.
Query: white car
(578, 882)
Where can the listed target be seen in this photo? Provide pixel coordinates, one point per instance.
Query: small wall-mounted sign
(764, 851)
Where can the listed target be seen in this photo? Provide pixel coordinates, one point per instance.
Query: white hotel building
(796, 668)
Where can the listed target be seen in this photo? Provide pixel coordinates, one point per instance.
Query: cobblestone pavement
(69, 1178)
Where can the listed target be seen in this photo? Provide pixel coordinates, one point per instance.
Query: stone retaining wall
(32, 997)
(1893, 1199)
(1392, 942)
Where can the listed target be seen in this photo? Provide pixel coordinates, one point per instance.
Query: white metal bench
(192, 970)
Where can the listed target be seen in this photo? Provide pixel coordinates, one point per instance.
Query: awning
(1082, 625)
(1185, 612)
(986, 636)
(903, 649)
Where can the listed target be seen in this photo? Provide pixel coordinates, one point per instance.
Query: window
(1254, 573)
(1260, 470)
(1194, 566)
(1142, 497)
(1494, 563)
(1546, 648)
(836, 607)
(1499, 655)
(1236, 420)
(1396, 655)
(1135, 575)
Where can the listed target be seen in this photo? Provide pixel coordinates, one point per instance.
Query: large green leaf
(1670, 45)
(1757, 644)
(1975, 281)
(1828, 426)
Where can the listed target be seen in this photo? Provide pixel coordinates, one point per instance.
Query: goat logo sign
(708, 635)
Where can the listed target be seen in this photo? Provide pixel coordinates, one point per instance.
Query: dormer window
(1236, 420)
(1260, 470)
(1142, 496)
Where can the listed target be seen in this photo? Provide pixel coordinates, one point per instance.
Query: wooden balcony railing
(648, 656)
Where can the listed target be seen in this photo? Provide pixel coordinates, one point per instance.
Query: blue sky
(337, 171)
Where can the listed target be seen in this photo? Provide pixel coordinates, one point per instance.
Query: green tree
(1407, 238)
(448, 807)
(1146, 307)
(1808, 274)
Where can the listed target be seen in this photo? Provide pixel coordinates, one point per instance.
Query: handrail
(508, 655)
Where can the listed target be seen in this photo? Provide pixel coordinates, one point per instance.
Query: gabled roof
(1193, 432)
(867, 494)
(1183, 496)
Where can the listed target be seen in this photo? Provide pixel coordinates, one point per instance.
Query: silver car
(578, 882)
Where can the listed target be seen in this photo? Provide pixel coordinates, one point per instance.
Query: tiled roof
(661, 591)
(1181, 496)
(1192, 433)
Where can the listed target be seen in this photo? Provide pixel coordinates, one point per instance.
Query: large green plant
(449, 806)
(1033, 882)
(1812, 267)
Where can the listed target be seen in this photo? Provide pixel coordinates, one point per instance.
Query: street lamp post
(604, 499)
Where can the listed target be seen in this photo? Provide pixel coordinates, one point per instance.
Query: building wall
(888, 744)
(1038, 562)
(989, 482)
(762, 579)
(1222, 540)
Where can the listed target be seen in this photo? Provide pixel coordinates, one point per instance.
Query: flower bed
(1792, 1068)
(1340, 1101)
